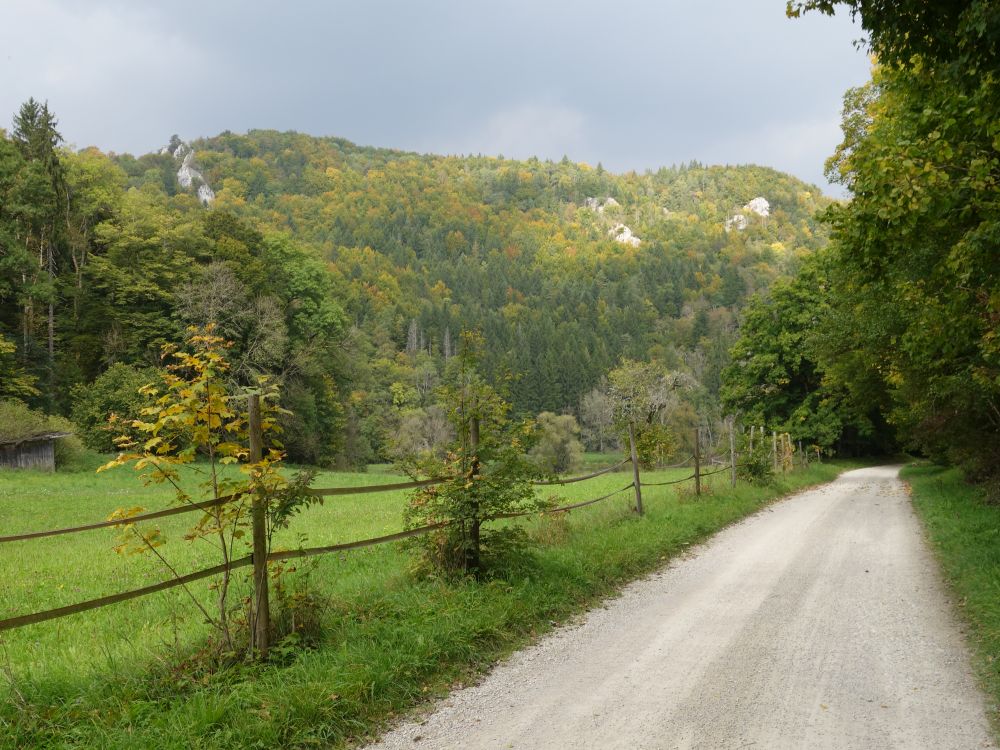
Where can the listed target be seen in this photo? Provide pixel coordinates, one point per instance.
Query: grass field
(115, 678)
(964, 530)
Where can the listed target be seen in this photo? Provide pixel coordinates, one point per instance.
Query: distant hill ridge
(564, 266)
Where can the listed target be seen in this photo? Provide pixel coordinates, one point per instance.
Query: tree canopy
(348, 273)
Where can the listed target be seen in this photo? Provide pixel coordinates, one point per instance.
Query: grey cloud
(632, 84)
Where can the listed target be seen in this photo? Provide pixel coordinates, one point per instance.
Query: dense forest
(348, 273)
(892, 333)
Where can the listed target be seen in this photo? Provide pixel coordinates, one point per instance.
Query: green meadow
(127, 676)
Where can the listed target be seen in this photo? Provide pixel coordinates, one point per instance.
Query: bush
(558, 449)
(421, 434)
(756, 466)
(490, 475)
(115, 392)
(71, 455)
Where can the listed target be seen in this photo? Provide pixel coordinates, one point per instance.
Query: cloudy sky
(634, 84)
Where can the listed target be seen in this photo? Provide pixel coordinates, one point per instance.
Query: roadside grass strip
(964, 530)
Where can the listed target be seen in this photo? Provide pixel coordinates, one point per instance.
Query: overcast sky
(632, 84)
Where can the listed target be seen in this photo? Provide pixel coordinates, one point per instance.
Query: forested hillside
(349, 272)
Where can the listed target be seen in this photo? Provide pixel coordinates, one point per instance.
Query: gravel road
(820, 622)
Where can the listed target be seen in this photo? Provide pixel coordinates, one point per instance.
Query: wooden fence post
(774, 449)
(635, 469)
(732, 450)
(697, 461)
(472, 559)
(262, 608)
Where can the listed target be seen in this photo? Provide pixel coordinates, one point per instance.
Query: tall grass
(964, 530)
(123, 676)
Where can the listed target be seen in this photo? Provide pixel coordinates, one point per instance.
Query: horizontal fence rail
(717, 471)
(561, 509)
(571, 480)
(104, 601)
(664, 484)
(681, 465)
(312, 551)
(209, 504)
(331, 491)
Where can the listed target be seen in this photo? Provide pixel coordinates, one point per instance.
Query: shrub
(114, 393)
(756, 466)
(558, 450)
(490, 475)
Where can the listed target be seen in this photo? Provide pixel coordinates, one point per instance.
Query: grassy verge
(116, 678)
(965, 533)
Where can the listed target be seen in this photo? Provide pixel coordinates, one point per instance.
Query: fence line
(398, 536)
(52, 614)
(104, 601)
(681, 465)
(717, 471)
(315, 492)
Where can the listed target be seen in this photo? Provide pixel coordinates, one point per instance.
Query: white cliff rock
(623, 234)
(188, 175)
(598, 205)
(759, 206)
(736, 221)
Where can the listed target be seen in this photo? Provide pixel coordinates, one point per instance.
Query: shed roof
(41, 437)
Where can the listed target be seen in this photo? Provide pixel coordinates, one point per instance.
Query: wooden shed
(35, 452)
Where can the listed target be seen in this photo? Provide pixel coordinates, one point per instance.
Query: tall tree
(43, 200)
(915, 290)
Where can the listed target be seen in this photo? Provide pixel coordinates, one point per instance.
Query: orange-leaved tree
(196, 424)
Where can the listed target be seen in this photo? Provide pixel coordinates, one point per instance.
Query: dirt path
(819, 623)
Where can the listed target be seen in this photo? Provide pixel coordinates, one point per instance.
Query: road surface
(820, 622)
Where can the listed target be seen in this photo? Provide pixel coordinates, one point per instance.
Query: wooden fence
(259, 560)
